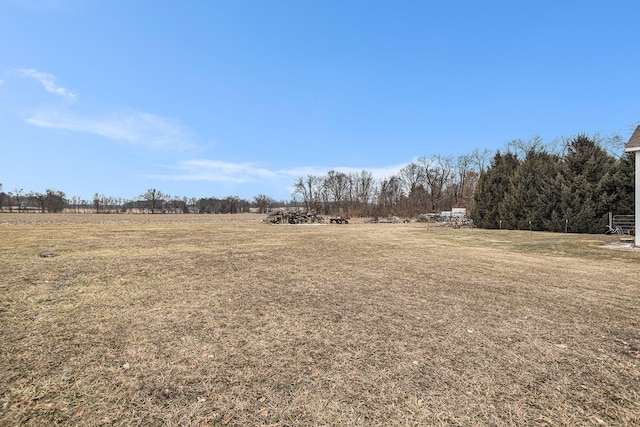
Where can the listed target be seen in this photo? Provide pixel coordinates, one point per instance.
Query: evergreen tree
(532, 196)
(584, 168)
(492, 188)
(616, 189)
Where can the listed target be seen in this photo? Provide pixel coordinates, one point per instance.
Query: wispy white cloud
(132, 127)
(376, 172)
(220, 171)
(48, 81)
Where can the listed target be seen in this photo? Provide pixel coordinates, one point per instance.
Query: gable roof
(634, 141)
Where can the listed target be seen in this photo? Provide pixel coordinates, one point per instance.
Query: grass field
(223, 320)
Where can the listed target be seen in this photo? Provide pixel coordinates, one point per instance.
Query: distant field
(222, 320)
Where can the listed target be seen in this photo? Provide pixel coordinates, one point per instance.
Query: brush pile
(292, 217)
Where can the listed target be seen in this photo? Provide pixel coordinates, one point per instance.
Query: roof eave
(634, 141)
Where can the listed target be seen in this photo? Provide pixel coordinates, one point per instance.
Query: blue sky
(217, 98)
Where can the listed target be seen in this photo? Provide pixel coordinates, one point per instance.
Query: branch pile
(388, 220)
(291, 217)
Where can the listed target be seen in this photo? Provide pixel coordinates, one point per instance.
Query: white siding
(634, 146)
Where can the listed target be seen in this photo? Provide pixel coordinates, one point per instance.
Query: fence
(624, 224)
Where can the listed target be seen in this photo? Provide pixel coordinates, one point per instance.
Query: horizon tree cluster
(428, 184)
(571, 184)
(571, 190)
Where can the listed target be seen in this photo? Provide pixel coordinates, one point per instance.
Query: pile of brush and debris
(446, 220)
(389, 220)
(294, 217)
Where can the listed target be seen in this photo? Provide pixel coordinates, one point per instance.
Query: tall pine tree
(493, 185)
(616, 189)
(532, 195)
(584, 167)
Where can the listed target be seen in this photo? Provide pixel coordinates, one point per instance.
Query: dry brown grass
(222, 320)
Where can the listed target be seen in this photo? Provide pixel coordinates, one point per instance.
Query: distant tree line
(428, 184)
(568, 185)
(18, 201)
(152, 201)
(570, 190)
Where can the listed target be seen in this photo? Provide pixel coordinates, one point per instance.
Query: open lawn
(223, 320)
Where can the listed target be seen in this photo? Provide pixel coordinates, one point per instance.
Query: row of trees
(425, 185)
(47, 201)
(428, 184)
(152, 201)
(572, 184)
(574, 189)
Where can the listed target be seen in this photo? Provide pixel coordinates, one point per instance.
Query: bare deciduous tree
(54, 201)
(153, 198)
(18, 193)
(389, 195)
(364, 187)
(310, 189)
(262, 202)
(521, 148)
(437, 171)
(336, 185)
(481, 159)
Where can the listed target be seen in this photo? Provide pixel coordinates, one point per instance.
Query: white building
(459, 213)
(634, 146)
